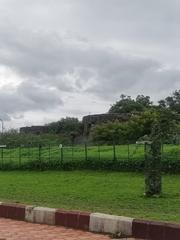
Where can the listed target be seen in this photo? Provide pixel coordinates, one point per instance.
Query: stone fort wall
(88, 122)
(34, 129)
(91, 120)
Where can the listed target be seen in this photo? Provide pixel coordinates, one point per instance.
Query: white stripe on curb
(29, 214)
(104, 223)
(40, 215)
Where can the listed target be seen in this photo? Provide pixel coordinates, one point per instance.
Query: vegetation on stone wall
(13, 138)
(143, 116)
(66, 126)
(142, 113)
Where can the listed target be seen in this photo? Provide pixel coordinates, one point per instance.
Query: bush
(136, 165)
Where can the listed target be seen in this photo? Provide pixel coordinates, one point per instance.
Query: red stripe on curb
(172, 231)
(140, 229)
(84, 219)
(13, 211)
(61, 218)
(155, 230)
(72, 219)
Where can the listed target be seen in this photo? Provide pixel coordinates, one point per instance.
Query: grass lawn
(108, 192)
(23, 155)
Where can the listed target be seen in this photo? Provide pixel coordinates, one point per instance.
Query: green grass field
(21, 155)
(108, 192)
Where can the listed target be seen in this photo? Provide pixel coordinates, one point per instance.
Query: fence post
(99, 153)
(85, 148)
(162, 151)
(20, 156)
(49, 152)
(2, 157)
(28, 152)
(114, 151)
(40, 163)
(128, 152)
(62, 155)
(10, 152)
(72, 152)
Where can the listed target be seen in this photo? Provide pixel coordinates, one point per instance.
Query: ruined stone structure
(88, 122)
(34, 129)
(91, 120)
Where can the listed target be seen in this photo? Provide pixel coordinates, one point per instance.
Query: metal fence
(17, 156)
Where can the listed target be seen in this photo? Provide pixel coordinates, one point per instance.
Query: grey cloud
(67, 48)
(51, 60)
(27, 97)
(39, 97)
(5, 117)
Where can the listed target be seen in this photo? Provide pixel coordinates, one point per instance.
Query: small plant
(117, 235)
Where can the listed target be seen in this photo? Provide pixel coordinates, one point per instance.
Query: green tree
(123, 132)
(109, 132)
(14, 138)
(144, 100)
(128, 105)
(66, 126)
(172, 102)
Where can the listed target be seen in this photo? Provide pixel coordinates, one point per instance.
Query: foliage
(13, 138)
(128, 105)
(123, 132)
(109, 132)
(144, 113)
(138, 126)
(126, 158)
(168, 124)
(137, 165)
(64, 131)
(172, 102)
(66, 126)
(153, 162)
(144, 101)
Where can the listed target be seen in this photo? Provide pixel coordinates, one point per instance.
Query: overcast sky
(63, 58)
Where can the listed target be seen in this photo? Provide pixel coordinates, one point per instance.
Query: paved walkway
(17, 230)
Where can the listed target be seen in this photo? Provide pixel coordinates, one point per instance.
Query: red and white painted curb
(94, 222)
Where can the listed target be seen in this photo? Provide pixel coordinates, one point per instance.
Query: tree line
(144, 113)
